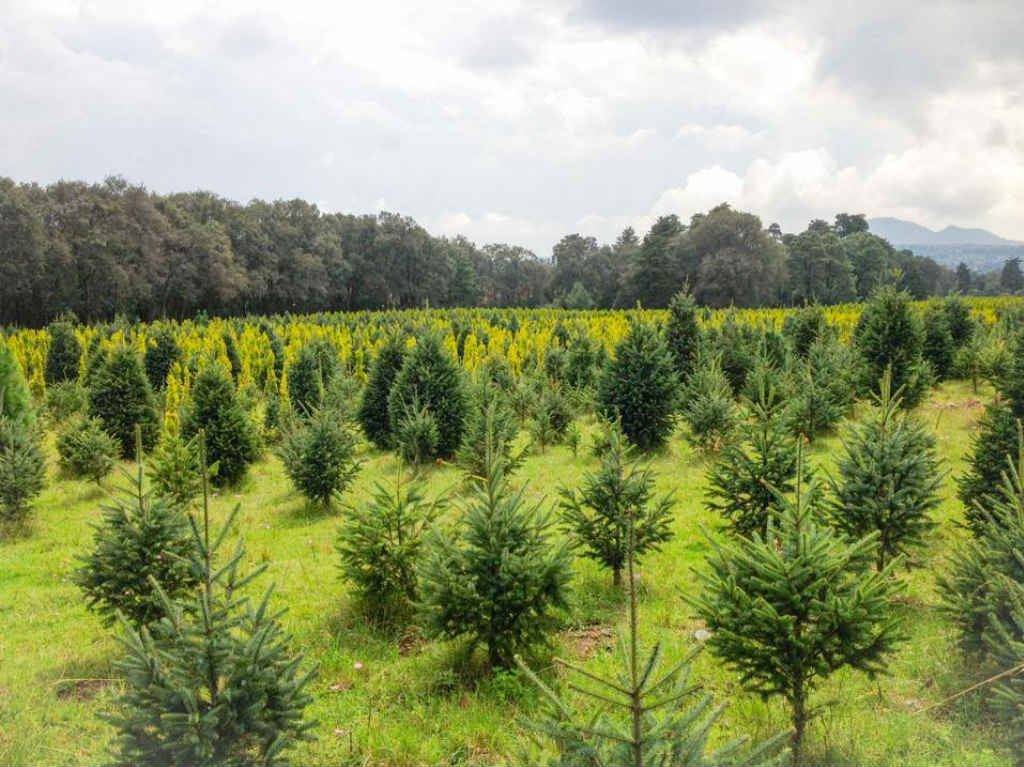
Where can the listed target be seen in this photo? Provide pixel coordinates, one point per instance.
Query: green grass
(414, 702)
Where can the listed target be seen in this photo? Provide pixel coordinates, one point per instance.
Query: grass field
(418, 702)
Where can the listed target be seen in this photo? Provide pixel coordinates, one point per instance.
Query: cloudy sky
(524, 121)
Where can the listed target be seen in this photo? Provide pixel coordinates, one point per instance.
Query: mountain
(980, 249)
(900, 232)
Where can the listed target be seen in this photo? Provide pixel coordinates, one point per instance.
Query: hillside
(980, 249)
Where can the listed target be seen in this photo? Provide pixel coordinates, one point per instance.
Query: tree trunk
(799, 722)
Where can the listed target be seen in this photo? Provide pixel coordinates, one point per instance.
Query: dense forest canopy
(102, 249)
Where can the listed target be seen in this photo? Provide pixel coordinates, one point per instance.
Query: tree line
(98, 250)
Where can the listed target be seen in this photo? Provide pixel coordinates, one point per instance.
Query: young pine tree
(1007, 647)
(889, 336)
(319, 457)
(121, 398)
(381, 545)
(489, 409)
(653, 719)
(499, 578)
(640, 388)
(888, 479)
(431, 380)
(789, 609)
(709, 409)
(599, 516)
(141, 541)
(230, 437)
(823, 385)
(85, 450)
(22, 467)
(213, 681)
(373, 414)
(162, 352)
(682, 333)
(15, 397)
(938, 346)
(175, 469)
(306, 381)
(745, 480)
(63, 353)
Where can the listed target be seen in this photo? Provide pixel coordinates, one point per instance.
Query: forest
(99, 250)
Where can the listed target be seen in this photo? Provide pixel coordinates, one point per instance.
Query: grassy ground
(424, 703)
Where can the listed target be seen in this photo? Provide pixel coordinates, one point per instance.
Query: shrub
(640, 388)
(609, 503)
(374, 415)
(380, 545)
(63, 355)
(431, 380)
(121, 397)
(162, 352)
(85, 450)
(139, 539)
(230, 437)
(22, 469)
(498, 579)
(319, 457)
(888, 479)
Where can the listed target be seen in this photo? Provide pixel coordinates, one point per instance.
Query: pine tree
(381, 545)
(416, 436)
(22, 467)
(823, 387)
(1007, 645)
(85, 450)
(162, 352)
(667, 722)
(958, 316)
(939, 346)
(985, 570)
(306, 381)
(230, 437)
(789, 609)
(15, 397)
(319, 457)
(489, 410)
(889, 479)
(121, 398)
(432, 380)
(682, 333)
(498, 579)
(213, 681)
(373, 414)
(552, 416)
(745, 481)
(709, 410)
(806, 326)
(598, 518)
(63, 353)
(640, 388)
(141, 540)
(889, 336)
(96, 356)
(231, 352)
(175, 469)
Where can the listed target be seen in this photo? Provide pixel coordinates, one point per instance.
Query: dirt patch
(967, 404)
(587, 642)
(80, 689)
(411, 642)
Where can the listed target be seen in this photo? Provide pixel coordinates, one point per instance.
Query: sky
(520, 122)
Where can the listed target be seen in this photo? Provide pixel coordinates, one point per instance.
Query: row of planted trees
(801, 567)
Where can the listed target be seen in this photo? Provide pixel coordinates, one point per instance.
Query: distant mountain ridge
(901, 232)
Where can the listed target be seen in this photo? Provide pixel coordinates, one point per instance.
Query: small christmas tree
(140, 541)
(667, 722)
(121, 398)
(230, 437)
(709, 410)
(499, 579)
(640, 388)
(85, 450)
(489, 410)
(682, 333)
(381, 544)
(745, 480)
(889, 479)
(306, 381)
(373, 414)
(175, 469)
(598, 518)
(430, 379)
(789, 609)
(22, 467)
(213, 682)
(63, 353)
(889, 336)
(958, 316)
(939, 346)
(319, 457)
(823, 387)
(15, 397)
(804, 327)
(162, 352)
